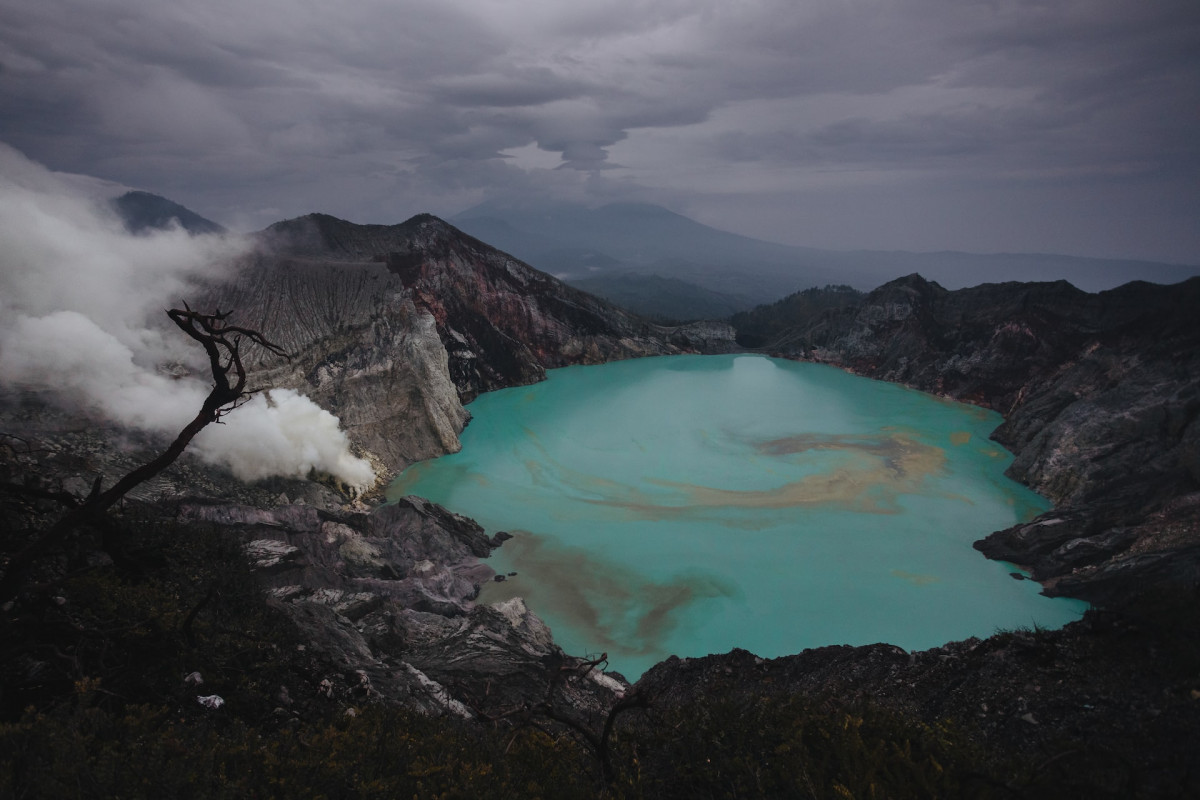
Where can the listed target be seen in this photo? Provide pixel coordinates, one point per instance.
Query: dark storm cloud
(519, 87)
(380, 108)
(1123, 119)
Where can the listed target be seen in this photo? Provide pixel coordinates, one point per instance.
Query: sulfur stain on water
(620, 609)
(915, 580)
(689, 505)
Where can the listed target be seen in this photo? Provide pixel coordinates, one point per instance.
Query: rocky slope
(1101, 398)
(395, 328)
(388, 596)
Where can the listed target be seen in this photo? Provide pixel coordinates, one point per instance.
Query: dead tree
(531, 715)
(222, 342)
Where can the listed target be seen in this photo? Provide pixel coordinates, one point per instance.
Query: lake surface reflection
(689, 505)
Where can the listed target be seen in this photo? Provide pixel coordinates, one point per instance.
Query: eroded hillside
(395, 328)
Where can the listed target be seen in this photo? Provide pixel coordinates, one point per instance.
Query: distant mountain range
(663, 265)
(662, 299)
(614, 241)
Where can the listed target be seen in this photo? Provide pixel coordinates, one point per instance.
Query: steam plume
(81, 316)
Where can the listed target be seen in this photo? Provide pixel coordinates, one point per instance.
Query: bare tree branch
(222, 342)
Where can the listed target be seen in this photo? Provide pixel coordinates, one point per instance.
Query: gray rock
(390, 595)
(271, 554)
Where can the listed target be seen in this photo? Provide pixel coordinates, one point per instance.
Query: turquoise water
(687, 505)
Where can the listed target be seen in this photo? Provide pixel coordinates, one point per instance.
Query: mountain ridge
(396, 327)
(767, 270)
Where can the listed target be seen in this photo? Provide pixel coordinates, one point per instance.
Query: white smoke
(281, 432)
(82, 316)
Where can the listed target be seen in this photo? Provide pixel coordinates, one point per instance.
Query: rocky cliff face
(1101, 398)
(394, 328)
(388, 596)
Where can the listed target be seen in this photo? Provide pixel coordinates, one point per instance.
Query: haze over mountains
(660, 264)
(609, 250)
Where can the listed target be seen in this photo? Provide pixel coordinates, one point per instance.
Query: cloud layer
(81, 317)
(847, 123)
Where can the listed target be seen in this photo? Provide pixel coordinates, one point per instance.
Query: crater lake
(687, 505)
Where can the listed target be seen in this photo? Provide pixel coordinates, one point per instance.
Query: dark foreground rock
(1107, 707)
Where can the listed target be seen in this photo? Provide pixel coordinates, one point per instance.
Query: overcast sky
(1068, 126)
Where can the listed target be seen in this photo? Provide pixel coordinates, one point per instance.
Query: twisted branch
(222, 342)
